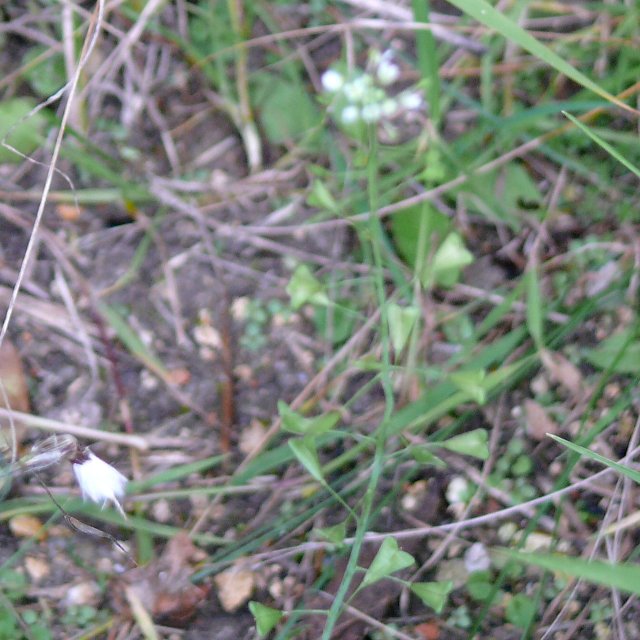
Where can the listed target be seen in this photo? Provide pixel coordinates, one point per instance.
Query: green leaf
(321, 197)
(535, 312)
(422, 455)
(285, 109)
(401, 322)
(296, 423)
(621, 352)
(405, 230)
(520, 610)
(604, 144)
(473, 443)
(519, 188)
(625, 471)
(305, 450)
(132, 341)
(304, 287)
(13, 583)
(623, 576)
(335, 322)
(450, 258)
(480, 585)
(473, 382)
(388, 560)
(46, 76)
(266, 618)
(491, 17)
(433, 594)
(25, 133)
(335, 534)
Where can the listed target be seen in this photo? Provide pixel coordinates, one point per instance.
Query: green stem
(428, 59)
(375, 232)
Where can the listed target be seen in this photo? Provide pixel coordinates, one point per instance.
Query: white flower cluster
(363, 96)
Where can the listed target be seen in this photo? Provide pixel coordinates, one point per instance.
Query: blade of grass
(132, 341)
(491, 17)
(592, 455)
(625, 577)
(173, 474)
(15, 507)
(604, 144)
(535, 313)
(428, 59)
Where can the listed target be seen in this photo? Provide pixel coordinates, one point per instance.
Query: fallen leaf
(538, 422)
(178, 377)
(163, 587)
(428, 630)
(564, 373)
(234, 588)
(16, 390)
(598, 281)
(252, 437)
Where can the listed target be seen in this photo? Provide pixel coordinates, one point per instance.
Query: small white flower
(350, 115)
(411, 100)
(357, 89)
(389, 107)
(371, 112)
(99, 482)
(387, 72)
(332, 80)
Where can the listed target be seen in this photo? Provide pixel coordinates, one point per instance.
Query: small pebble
(37, 568)
(83, 593)
(477, 558)
(26, 526)
(161, 510)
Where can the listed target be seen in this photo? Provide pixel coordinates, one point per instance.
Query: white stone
(477, 558)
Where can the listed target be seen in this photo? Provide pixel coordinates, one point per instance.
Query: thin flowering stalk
(84, 528)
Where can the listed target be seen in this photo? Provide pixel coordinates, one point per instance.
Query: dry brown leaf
(164, 587)
(15, 387)
(234, 587)
(564, 373)
(178, 376)
(252, 437)
(598, 281)
(428, 630)
(538, 421)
